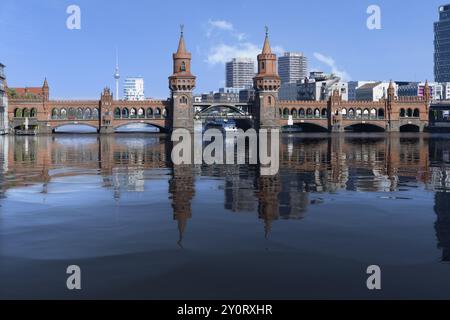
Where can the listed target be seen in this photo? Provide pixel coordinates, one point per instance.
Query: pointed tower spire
(45, 90)
(266, 47)
(181, 44)
(391, 84)
(427, 91)
(391, 91)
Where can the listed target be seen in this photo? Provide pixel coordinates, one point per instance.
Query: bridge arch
(310, 126)
(26, 113)
(125, 113)
(141, 113)
(18, 113)
(301, 113)
(410, 128)
(351, 113)
(133, 113)
(87, 114)
(55, 114)
(365, 127)
(63, 114)
(219, 108)
(147, 123)
(58, 126)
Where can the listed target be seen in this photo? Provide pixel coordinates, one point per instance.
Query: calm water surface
(141, 228)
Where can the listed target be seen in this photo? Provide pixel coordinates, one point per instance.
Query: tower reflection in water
(310, 166)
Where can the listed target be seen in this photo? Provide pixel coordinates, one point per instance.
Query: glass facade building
(442, 45)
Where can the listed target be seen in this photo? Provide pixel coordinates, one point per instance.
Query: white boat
(230, 128)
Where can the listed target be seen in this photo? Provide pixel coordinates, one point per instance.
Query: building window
(183, 66)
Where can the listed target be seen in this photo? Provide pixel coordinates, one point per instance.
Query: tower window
(183, 66)
(263, 65)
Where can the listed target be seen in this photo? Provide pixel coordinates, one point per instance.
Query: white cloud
(329, 61)
(221, 24)
(222, 53)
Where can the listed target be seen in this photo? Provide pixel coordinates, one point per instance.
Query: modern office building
(446, 90)
(289, 91)
(224, 95)
(292, 67)
(3, 102)
(416, 89)
(133, 89)
(240, 73)
(374, 91)
(247, 95)
(320, 86)
(353, 85)
(442, 45)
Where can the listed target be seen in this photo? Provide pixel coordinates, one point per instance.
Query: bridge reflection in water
(367, 198)
(309, 167)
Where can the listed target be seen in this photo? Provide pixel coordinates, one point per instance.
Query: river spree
(140, 227)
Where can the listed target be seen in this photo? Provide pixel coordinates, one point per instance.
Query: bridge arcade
(390, 114)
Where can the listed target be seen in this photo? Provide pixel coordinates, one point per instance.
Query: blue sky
(35, 42)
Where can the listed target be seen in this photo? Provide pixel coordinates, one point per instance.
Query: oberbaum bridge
(33, 108)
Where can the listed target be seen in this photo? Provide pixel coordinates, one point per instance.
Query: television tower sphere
(117, 74)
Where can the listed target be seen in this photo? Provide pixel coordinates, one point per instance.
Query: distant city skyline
(78, 62)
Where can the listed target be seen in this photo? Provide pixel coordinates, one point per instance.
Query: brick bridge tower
(181, 84)
(106, 114)
(392, 113)
(267, 83)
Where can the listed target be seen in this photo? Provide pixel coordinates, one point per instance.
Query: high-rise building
(442, 45)
(3, 102)
(292, 67)
(133, 89)
(240, 73)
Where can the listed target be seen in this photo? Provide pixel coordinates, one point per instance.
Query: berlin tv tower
(117, 76)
